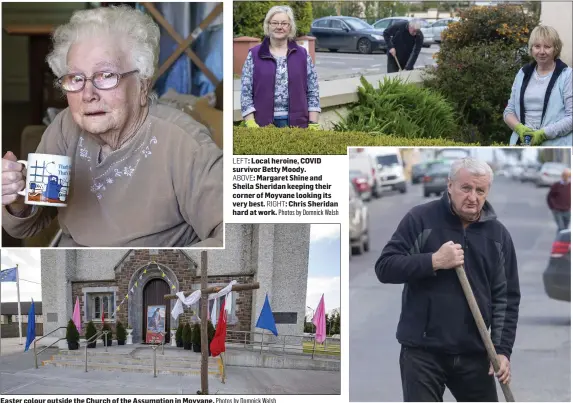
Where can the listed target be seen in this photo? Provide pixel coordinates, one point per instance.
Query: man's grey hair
(473, 166)
(276, 10)
(416, 23)
(135, 30)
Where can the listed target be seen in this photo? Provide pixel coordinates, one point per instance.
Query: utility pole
(204, 339)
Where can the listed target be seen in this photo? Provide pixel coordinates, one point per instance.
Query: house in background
(9, 318)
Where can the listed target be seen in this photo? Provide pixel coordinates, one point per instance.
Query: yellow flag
(136, 283)
(173, 287)
(127, 296)
(144, 271)
(162, 274)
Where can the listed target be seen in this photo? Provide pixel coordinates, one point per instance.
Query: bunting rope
(141, 276)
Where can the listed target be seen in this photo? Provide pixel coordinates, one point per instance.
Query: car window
(321, 24)
(336, 24)
(382, 24)
(439, 169)
(356, 24)
(387, 160)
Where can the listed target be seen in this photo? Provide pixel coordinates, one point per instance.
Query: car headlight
(377, 37)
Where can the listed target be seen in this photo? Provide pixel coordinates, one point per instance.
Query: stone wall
(179, 269)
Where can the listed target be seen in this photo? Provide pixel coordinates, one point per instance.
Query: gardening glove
(537, 137)
(251, 124)
(313, 126)
(521, 130)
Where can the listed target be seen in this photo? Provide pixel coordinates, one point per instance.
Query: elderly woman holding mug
(279, 84)
(142, 174)
(540, 108)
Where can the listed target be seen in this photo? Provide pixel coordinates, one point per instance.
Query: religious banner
(155, 324)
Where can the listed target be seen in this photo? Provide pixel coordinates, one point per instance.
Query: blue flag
(8, 275)
(266, 319)
(31, 334)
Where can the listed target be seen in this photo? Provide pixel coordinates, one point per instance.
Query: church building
(127, 284)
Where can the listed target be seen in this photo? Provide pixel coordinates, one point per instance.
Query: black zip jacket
(435, 313)
(407, 46)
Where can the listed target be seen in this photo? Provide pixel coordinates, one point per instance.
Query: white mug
(47, 179)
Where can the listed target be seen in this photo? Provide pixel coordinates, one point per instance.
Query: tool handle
(482, 328)
(397, 62)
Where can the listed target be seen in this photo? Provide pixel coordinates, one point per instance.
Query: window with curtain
(99, 303)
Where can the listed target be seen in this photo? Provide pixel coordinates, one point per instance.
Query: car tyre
(358, 249)
(366, 242)
(364, 46)
(426, 194)
(403, 190)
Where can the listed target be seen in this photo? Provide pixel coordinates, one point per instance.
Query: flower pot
(121, 342)
(197, 348)
(73, 345)
(129, 336)
(187, 346)
(109, 341)
(92, 344)
(179, 343)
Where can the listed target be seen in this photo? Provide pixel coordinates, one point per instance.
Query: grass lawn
(331, 349)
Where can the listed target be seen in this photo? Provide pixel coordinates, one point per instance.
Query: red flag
(218, 343)
(103, 318)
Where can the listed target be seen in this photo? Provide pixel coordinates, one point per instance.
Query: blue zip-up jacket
(435, 313)
(558, 106)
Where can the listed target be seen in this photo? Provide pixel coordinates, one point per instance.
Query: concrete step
(97, 366)
(123, 359)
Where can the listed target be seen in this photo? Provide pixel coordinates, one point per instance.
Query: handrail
(88, 341)
(45, 348)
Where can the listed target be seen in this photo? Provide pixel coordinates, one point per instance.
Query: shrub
(186, 334)
(121, 334)
(248, 16)
(476, 65)
(400, 109)
(90, 330)
(108, 328)
(196, 337)
(179, 333)
(72, 334)
(294, 141)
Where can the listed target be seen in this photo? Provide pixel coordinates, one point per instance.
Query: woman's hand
(537, 137)
(522, 131)
(12, 179)
(250, 123)
(313, 126)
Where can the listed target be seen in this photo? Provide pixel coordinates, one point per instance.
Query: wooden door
(153, 294)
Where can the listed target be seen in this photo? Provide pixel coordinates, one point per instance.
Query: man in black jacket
(440, 342)
(404, 40)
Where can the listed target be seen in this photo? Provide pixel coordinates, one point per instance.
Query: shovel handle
(482, 329)
(397, 62)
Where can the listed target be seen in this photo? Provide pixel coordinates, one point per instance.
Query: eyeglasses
(102, 80)
(275, 24)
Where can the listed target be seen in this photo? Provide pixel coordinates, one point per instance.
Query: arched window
(97, 308)
(106, 306)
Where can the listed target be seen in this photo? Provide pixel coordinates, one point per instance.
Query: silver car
(433, 32)
(357, 223)
(549, 173)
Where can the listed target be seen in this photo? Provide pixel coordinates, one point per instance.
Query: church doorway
(153, 296)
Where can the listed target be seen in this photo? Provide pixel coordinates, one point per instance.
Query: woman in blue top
(540, 107)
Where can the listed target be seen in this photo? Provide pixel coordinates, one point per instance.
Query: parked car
(387, 22)
(346, 33)
(418, 173)
(433, 31)
(389, 168)
(361, 185)
(549, 173)
(360, 160)
(436, 179)
(530, 172)
(359, 240)
(557, 275)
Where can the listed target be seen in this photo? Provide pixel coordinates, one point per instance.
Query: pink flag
(319, 320)
(76, 318)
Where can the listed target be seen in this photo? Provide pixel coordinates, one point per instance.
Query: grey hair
(474, 166)
(280, 9)
(139, 29)
(416, 23)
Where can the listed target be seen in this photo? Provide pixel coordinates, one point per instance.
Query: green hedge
(248, 16)
(287, 141)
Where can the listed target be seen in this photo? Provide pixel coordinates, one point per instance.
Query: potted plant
(121, 335)
(72, 336)
(179, 335)
(210, 335)
(109, 335)
(187, 337)
(197, 338)
(91, 332)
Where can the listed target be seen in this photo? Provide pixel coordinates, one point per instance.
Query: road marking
(376, 65)
(5, 392)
